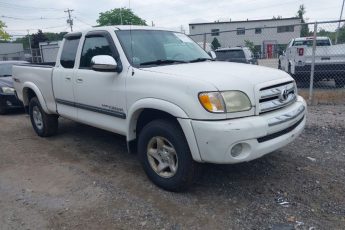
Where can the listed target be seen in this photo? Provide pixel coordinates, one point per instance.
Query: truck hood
(6, 82)
(222, 74)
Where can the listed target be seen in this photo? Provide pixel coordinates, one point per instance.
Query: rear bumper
(10, 101)
(321, 70)
(258, 135)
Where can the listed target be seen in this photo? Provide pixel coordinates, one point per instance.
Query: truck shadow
(105, 148)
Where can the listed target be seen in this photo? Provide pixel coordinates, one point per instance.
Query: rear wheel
(44, 124)
(165, 155)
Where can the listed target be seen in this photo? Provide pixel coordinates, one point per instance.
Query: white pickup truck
(329, 60)
(175, 105)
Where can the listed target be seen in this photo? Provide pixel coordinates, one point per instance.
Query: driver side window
(95, 45)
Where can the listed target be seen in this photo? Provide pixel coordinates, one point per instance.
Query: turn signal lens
(212, 102)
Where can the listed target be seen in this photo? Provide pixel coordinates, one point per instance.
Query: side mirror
(103, 63)
(212, 54)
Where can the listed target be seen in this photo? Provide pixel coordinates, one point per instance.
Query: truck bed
(39, 77)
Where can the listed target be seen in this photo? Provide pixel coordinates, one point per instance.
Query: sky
(49, 15)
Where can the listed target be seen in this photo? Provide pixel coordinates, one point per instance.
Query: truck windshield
(319, 42)
(146, 48)
(5, 70)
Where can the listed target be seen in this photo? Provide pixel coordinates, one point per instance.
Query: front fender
(168, 107)
(150, 103)
(33, 87)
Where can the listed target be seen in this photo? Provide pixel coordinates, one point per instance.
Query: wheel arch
(30, 90)
(146, 110)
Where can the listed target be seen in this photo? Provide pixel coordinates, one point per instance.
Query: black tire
(339, 83)
(187, 168)
(279, 65)
(49, 123)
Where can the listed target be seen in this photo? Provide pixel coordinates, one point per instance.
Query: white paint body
(173, 89)
(324, 55)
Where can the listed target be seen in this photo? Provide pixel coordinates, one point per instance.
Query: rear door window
(69, 52)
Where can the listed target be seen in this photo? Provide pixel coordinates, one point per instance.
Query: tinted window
(229, 54)
(241, 31)
(321, 42)
(283, 29)
(258, 30)
(69, 52)
(215, 32)
(94, 46)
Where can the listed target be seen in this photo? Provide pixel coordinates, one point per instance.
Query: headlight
(236, 101)
(228, 101)
(7, 90)
(212, 102)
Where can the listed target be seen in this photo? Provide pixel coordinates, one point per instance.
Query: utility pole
(32, 57)
(121, 16)
(341, 15)
(69, 20)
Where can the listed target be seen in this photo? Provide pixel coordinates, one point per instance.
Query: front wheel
(44, 124)
(165, 155)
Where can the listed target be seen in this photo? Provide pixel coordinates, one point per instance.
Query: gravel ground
(84, 179)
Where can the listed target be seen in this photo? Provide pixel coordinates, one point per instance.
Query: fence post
(204, 42)
(312, 70)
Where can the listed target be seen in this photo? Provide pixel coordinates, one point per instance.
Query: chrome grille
(276, 96)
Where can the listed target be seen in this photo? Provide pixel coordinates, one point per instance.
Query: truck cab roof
(117, 27)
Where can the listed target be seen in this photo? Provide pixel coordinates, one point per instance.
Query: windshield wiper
(5, 75)
(162, 62)
(200, 60)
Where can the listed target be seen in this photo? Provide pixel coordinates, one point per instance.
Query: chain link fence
(312, 53)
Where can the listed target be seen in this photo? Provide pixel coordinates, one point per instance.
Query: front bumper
(258, 135)
(10, 101)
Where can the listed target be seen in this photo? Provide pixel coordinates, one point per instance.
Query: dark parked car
(8, 99)
(236, 54)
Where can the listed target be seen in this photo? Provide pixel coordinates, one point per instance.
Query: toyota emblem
(284, 94)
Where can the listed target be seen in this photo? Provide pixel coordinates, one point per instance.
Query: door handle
(79, 80)
(68, 78)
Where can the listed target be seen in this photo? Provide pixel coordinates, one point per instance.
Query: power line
(85, 19)
(15, 6)
(40, 18)
(83, 22)
(51, 27)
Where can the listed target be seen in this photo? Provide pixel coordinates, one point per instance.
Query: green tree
(49, 36)
(3, 34)
(54, 36)
(37, 38)
(250, 45)
(119, 16)
(300, 14)
(215, 43)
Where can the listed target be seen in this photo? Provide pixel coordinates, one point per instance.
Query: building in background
(11, 51)
(269, 36)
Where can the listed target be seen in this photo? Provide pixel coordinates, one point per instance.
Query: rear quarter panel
(38, 79)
